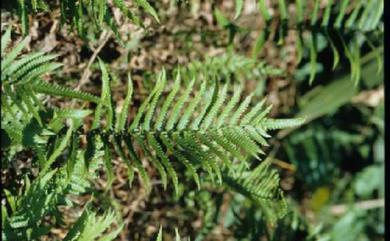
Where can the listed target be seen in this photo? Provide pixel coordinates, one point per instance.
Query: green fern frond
(42, 197)
(262, 186)
(13, 121)
(196, 130)
(21, 78)
(90, 226)
(227, 68)
(32, 207)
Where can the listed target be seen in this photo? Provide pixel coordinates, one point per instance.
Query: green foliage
(183, 128)
(195, 131)
(80, 13)
(21, 79)
(89, 226)
(317, 151)
(229, 67)
(247, 222)
(29, 212)
(202, 131)
(346, 25)
(262, 186)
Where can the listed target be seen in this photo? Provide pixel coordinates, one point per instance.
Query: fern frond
(90, 227)
(34, 204)
(193, 129)
(227, 68)
(262, 186)
(42, 198)
(21, 79)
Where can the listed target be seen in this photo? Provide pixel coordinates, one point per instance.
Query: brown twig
(105, 36)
